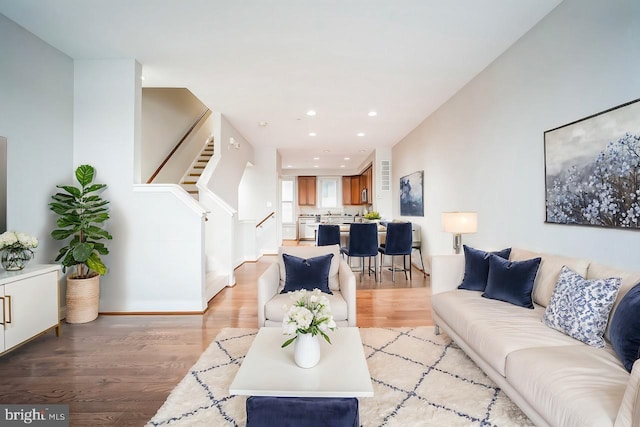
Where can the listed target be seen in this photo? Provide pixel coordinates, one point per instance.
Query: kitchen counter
(304, 233)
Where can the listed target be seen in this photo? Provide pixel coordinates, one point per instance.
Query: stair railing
(266, 218)
(184, 138)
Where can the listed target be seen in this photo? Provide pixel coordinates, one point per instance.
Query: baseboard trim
(152, 313)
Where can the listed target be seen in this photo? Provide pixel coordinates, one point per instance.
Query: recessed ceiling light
(142, 78)
(289, 166)
(316, 158)
(312, 134)
(263, 124)
(360, 133)
(341, 166)
(326, 151)
(315, 166)
(347, 158)
(372, 114)
(311, 113)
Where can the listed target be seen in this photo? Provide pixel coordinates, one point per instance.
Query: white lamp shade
(460, 222)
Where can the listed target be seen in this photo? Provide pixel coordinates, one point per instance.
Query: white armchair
(342, 283)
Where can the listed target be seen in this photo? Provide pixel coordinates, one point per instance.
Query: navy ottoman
(265, 411)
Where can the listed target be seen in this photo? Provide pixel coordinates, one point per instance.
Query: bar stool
(363, 243)
(398, 242)
(328, 235)
(417, 244)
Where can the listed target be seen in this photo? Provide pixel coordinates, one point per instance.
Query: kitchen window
(328, 192)
(287, 200)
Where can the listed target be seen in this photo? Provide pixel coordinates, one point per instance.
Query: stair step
(192, 191)
(195, 174)
(189, 182)
(198, 167)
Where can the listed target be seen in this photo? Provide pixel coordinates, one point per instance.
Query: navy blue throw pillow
(476, 267)
(307, 273)
(511, 281)
(624, 330)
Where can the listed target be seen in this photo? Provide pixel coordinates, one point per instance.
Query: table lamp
(459, 223)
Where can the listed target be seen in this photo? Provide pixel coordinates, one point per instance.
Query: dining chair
(328, 235)
(363, 243)
(398, 242)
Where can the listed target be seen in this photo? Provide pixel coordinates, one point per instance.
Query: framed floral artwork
(592, 170)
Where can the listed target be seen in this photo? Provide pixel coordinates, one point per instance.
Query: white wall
(230, 162)
(483, 150)
(167, 114)
(36, 117)
(157, 253)
(258, 197)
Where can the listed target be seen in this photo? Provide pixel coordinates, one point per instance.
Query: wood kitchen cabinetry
(356, 190)
(29, 304)
(353, 188)
(346, 191)
(367, 182)
(306, 190)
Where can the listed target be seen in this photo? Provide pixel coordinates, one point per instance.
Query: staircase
(190, 179)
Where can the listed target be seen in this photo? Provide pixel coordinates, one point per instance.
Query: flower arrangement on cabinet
(17, 249)
(309, 314)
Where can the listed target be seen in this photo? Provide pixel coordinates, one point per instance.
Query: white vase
(306, 351)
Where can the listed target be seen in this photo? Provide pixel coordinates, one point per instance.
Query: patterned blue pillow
(580, 308)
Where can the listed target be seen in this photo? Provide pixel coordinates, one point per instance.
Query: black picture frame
(412, 194)
(592, 170)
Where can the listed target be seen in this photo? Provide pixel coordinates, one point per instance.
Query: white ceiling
(273, 60)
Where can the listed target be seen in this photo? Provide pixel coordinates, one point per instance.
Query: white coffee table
(269, 370)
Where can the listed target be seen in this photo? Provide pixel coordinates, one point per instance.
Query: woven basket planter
(83, 299)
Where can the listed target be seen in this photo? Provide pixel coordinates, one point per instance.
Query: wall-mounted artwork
(592, 170)
(412, 194)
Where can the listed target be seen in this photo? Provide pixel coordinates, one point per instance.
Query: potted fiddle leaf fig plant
(82, 213)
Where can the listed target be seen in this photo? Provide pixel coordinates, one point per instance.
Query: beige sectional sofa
(555, 379)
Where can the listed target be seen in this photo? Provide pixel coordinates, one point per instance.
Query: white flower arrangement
(13, 240)
(310, 313)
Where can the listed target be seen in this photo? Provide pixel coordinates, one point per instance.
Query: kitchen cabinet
(29, 302)
(306, 191)
(356, 190)
(353, 186)
(304, 232)
(367, 182)
(346, 191)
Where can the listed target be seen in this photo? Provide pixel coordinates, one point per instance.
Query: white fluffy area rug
(419, 379)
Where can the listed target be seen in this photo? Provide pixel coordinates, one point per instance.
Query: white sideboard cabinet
(29, 303)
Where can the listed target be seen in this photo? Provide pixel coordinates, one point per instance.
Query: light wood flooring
(118, 370)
